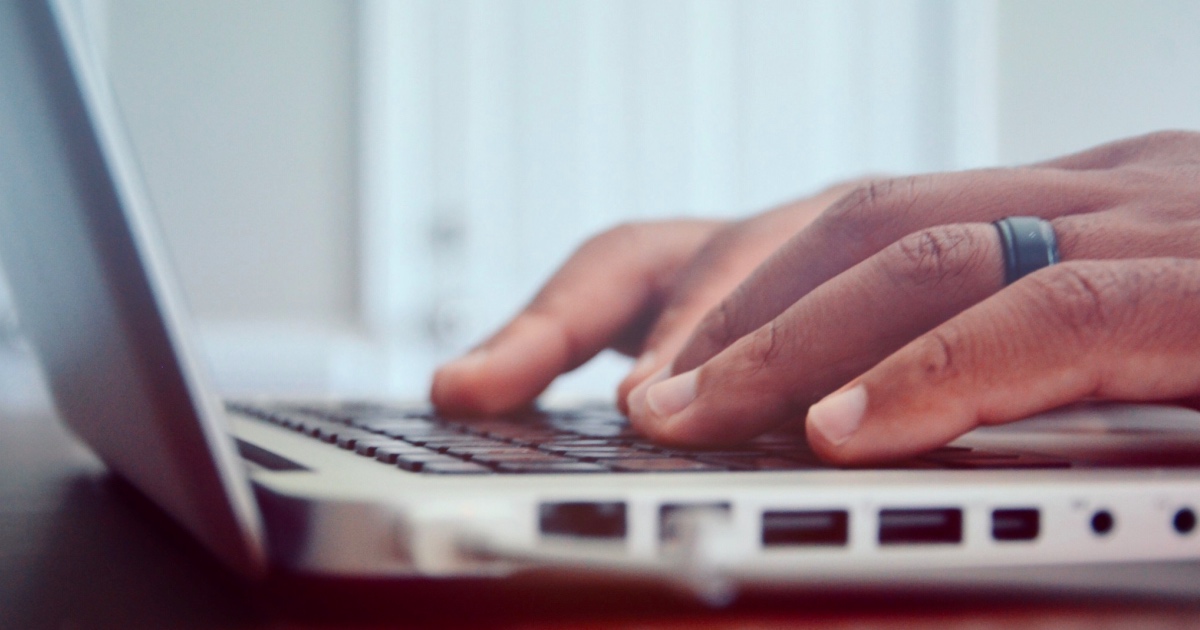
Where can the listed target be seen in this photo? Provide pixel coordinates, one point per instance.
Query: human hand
(639, 288)
(895, 298)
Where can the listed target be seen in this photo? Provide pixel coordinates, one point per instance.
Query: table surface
(80, 549)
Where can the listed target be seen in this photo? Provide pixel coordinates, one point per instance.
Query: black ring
(1028, 244)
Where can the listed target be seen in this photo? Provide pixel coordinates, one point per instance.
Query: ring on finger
(1028, 244)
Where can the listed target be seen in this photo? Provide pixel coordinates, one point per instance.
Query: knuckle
(1174, 276)
(1158, 144)
(941, 356)
(856, 211)
(622, 235)
(764, 347)
(1077, 233)
(726, 237)
(935, 256)
(1085, 299)
(719, 327)
(721, 246)
(1171, 137)
(1157, 292)
(866, 212)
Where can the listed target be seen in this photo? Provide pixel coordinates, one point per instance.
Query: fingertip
(671, 396)
(505, 374)
(837, 417)
(642, 369)
(664, 407)
(636, 401)
(667, 412)
(874, 422)
(713, 408)
(456, 384)
(833, 421)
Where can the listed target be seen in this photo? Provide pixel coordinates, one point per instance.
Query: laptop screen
(89, 285)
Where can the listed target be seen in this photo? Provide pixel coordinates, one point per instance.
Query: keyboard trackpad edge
(1098, 434)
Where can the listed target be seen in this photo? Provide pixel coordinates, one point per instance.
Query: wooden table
(79, 549)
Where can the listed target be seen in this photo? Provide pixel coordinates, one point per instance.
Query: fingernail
(673, 395)
(838, 415)
(637, 398)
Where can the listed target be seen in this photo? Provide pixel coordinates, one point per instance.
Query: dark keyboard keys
(368, 446)
(551, 467)
(416, 462)
(519, 458)
(388, 454)
(591, 441)
(455, 468)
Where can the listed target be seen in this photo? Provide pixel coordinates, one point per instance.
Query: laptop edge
(121, 373)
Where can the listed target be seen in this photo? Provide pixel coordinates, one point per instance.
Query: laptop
(386, 490)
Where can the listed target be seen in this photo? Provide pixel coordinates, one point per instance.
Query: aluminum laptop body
(277, 485)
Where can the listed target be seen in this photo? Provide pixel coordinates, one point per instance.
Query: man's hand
(895, 298)
(887, 314)
(639, 288)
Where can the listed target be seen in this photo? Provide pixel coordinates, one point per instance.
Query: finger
(668, 336)
(714, 272)
(1128, 231)
(876, 215)
(719, 266)
(828, 337)
(1116, 330)
(605, 289)
(1164, 146)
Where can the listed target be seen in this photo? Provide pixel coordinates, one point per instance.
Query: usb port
(805, 528)
(670, 513)
(920, 526)
(583, 519)
(1016, 524)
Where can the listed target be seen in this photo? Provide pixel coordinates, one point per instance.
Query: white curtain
(497, 134)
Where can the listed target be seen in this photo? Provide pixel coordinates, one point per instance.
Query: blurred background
(354, 191)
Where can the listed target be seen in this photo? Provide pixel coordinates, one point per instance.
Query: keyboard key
(530, 457)
(735, 453)
(427, 456)
(324, 430)
(416, 461)
(673, 452)
(502, 448)
(567, 444)
(644, 445)
(349, 438)
(550, 467)
(456, 441)
(389, 454)
(359, 444)
(455, 468)
(441, 438)
(397, 426)
(510, 431)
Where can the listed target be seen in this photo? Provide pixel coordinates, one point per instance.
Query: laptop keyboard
(580, 440)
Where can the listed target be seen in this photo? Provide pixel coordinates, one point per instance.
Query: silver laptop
(386, 490)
